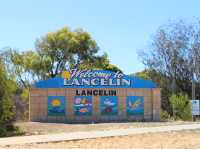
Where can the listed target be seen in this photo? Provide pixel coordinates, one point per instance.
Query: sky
(121, 28)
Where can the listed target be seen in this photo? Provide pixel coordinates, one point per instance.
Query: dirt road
(172, 140)
(93, 134)
(37, 128)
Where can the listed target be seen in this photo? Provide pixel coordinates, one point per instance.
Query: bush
(164, 115)
(181, 107)
(7, 88)
(22, 105)
(6, 115)
(10, 130)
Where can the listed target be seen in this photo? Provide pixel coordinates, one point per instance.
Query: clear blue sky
(120, 27)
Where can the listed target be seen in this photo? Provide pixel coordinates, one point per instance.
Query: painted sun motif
(55, 103)
(66, 75)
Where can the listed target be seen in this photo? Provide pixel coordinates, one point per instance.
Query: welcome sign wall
(82, 95)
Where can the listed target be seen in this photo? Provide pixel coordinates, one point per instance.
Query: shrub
(181, 107)
(7, 88)
(6, 115)
(164, 115)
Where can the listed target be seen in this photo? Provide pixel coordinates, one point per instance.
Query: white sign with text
(195, 107)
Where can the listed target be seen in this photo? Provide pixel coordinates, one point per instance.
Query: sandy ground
(170, 140)
(35, 128)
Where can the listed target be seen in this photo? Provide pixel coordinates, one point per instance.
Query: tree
(7, 87)
(101, 62)
(22, 66)
(65, 49)
(55, 52)
(174, 54)
(173, 51)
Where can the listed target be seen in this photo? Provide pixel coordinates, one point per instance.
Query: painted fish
(108, 110)
(83, 110)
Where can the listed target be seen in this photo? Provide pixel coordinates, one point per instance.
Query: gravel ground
(170, 140)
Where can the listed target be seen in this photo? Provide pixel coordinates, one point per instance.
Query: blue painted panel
(83, 105)
(108, 105)
(135, 105)
(56, 105)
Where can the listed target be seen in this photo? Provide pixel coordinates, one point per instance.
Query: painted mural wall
(83, 105)
(94, 95)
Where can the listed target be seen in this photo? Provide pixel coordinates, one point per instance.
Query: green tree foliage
(101, 62)
(22, 66)
(55, 52)
(181, 107)
(7, 87)
(66, 49)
